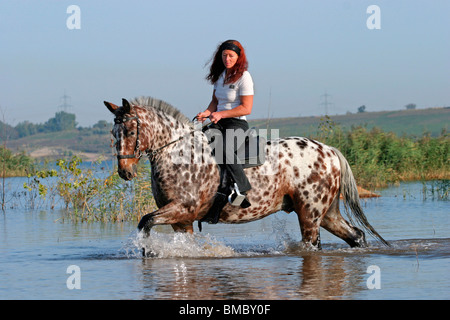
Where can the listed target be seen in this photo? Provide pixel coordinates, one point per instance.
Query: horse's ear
(126, 105)
(111, 106)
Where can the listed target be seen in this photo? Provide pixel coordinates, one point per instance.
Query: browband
(230, 46)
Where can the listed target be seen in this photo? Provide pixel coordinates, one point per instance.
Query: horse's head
(126, 132)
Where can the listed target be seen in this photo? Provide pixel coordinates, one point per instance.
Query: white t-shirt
(229, 95)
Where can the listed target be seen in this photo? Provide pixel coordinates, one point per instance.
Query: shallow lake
(45, 257)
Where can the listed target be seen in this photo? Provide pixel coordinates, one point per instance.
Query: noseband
(137, 153)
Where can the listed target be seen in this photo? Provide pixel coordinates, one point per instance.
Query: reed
(15, 165)
(379, 158)
(88, 195)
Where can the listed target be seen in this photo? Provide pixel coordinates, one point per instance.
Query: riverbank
(363, 193)
(49, 153)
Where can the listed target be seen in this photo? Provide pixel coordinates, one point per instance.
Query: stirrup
(236, 197)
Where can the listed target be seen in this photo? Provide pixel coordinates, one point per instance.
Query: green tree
(61, 122)
(101, 127)
(26, 128)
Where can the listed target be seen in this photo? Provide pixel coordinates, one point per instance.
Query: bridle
(137, 152)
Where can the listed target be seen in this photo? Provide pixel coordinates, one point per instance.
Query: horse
(299, 174)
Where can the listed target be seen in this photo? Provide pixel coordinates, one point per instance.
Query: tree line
(62, 121)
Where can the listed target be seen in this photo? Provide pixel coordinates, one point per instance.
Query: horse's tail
(350, 196)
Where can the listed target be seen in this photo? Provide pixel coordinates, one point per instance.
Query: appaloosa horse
(299, 174)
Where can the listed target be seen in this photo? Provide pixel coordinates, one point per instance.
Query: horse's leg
(337, 225)
(310, 230)
(171, 213)
(309, 220)
(183, 227)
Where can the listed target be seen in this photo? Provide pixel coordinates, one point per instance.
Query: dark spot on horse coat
(302, 144)
(319, 146)
(313, 177)
(296, 172)
(315, 213)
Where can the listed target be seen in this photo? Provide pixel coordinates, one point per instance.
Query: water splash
(177, 245)
(168, 244)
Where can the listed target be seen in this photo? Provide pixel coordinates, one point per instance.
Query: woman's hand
(202, 116)
(215, 117)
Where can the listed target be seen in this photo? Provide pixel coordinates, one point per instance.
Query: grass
(379, 158)
(402, 122)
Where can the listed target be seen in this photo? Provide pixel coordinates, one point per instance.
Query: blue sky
(297, 50)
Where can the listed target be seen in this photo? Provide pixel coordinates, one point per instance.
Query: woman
(232, 100)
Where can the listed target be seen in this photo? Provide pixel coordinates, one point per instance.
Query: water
(258, 260)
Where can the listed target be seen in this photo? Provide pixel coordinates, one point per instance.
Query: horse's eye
(132, 133)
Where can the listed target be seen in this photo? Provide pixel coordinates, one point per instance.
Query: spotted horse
(299, 174)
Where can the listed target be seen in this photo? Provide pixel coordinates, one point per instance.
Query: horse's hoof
(146, 222)
(360, 243)
(148, 254)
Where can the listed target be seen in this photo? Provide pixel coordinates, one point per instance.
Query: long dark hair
(217, 66)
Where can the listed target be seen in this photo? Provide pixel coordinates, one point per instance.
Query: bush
(91, 197)
(15, 164)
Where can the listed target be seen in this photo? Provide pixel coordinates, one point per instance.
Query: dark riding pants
(233, 133)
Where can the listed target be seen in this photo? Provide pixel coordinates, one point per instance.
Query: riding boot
(245, 203)
(213, 215)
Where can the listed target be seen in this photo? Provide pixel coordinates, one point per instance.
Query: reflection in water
(307, 276)
(330, 277)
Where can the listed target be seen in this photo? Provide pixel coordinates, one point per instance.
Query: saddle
(250, 153)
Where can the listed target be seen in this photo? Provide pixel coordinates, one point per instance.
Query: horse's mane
(160, 106)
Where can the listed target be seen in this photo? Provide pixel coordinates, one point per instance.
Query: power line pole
(325, 103)
(65, 106)
(268, 109)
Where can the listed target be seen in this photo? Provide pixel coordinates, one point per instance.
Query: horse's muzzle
(127, 174)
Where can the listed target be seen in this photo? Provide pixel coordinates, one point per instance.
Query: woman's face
(229, 58)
